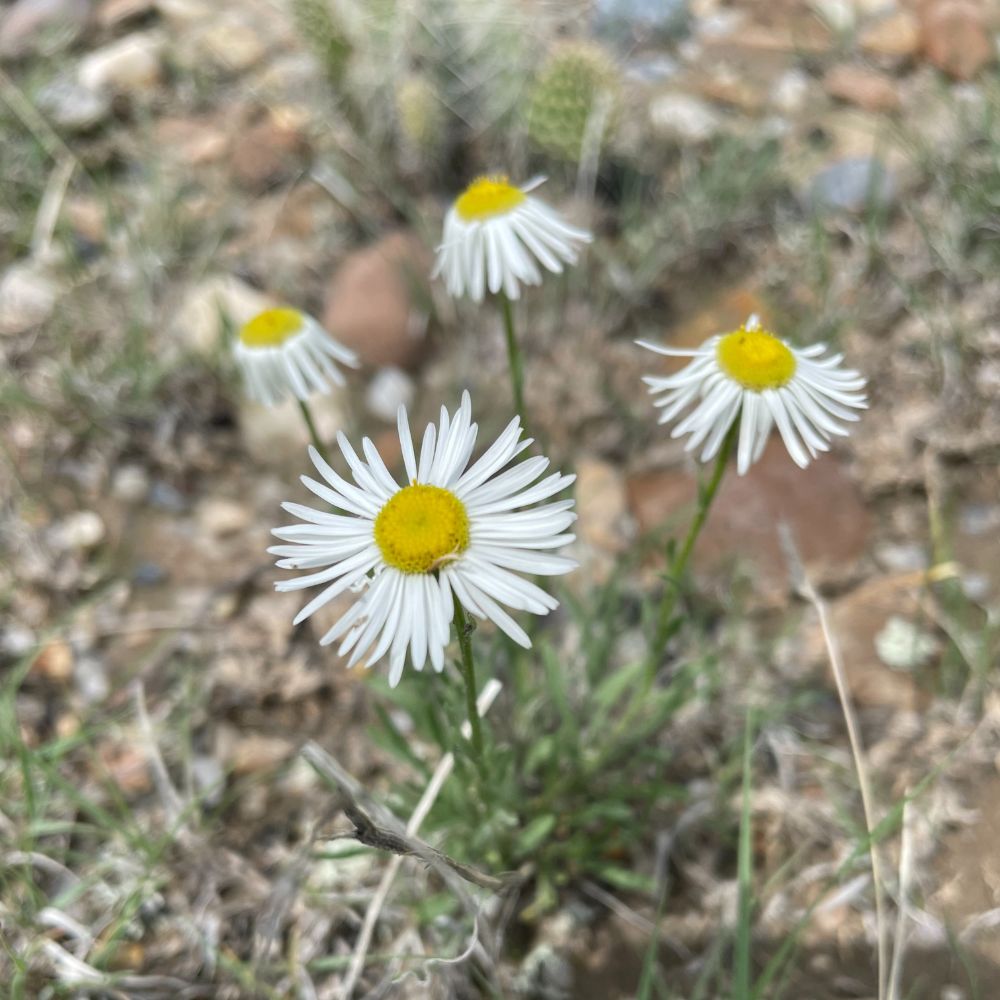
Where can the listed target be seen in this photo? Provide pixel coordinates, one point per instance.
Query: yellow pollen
(488, 196)
(271, 328)
(421, 527)
(756, 359)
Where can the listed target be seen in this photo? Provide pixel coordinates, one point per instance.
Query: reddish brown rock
(370, 305)
(54, 662)
(88, 217)
(822, 506)
(856, 620)
(127, 767)
(865, 88)
(956, 38)
(896, 37)
(267, 153)
(727, 312)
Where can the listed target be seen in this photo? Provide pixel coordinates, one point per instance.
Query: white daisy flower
(405, 550)
(755, 377)
(282, 351)
(496, 235)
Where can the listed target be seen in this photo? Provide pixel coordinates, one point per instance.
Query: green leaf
(536, 833)
(611, 689)
(627, 880)
(391, 739)
(539, 754)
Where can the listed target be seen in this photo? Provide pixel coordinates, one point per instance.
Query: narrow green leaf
(535, 833)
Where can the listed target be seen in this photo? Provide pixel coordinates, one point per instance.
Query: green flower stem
(313, 433)
(465, 627)
(678, 565)
(514, 355)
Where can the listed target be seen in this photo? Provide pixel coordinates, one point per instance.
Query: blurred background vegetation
(169, 167)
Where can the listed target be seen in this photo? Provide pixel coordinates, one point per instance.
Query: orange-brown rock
(823, 508)
(370, 304)
(957, 38)
(865, 88)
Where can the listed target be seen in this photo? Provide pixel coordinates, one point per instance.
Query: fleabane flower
(496, 235)
(282, 351)
(451, 529)
(753, 376)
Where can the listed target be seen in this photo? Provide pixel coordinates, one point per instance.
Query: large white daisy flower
(496, 235)
(752, 376)
(282, 351)
(451, 529)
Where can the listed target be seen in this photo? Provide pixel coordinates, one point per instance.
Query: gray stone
(852, 185)
(625, 22)
(130, 484)
(16, 640)
(790, 91)
(28, 295)
(650, 67)
(389, 389)
(903, 557)
(197, 323)
(277, 434)
(979, 519)
(72, 106)
(91, 677)
(131, 65)
(220, 517)
(683, 118)
(41, 27)
(163, 496)
(148, 574)
(81, 530)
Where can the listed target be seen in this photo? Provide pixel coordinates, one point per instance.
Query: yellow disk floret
(756, 359)
(486, 197)
(421, 527)
(271, 328)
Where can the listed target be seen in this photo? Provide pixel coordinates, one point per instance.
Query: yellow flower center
(488, 196)
(756, 359)
(271, 328)
(421, 527)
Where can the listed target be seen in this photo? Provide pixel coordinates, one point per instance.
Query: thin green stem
(313, 433)
(514, 356)
(464, 627)
(678, 564)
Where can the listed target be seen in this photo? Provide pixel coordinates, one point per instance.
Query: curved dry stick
(441, 773)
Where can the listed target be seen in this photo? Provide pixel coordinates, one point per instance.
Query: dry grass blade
(903, 911)
(805, 587)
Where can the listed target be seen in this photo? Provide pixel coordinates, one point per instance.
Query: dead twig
(441, 773)
(50, 207)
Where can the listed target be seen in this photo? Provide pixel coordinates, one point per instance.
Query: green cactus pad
(572, 86)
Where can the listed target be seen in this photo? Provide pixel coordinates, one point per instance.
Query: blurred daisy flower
(496, 235)
(451, 529)
(282, 351)
(752, 376)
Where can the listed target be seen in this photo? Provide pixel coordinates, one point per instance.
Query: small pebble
(163, 496)
(79, 531)
(388, 390)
